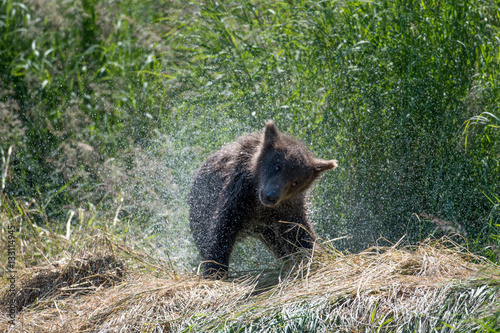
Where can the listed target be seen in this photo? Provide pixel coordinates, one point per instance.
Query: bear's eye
(277, 168)
(295, 183)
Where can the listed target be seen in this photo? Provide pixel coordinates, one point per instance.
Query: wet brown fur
(253, 186)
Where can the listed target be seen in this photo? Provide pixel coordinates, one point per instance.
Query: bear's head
(284, 167)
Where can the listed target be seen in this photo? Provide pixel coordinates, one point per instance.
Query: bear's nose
(272, 197)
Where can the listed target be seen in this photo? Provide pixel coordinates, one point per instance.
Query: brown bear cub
(255, 186)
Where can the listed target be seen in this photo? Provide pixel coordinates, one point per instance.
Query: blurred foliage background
(107, 108)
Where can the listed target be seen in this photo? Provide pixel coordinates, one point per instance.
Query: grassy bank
(103, 285)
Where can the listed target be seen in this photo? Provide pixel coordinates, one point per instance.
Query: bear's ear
(270, 133)
(323, 165)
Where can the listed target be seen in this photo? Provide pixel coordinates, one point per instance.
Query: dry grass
(370, 291)
(68, 277)
(361, 292)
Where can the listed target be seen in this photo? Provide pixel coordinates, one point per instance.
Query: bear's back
(211, 181)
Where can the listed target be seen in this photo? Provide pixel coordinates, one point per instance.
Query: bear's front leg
(294, 229)
(297, 235)
(216, 262)
(222, 237)
(219, 229)
(286, 234)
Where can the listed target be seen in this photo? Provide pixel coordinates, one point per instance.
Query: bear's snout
(269, 197)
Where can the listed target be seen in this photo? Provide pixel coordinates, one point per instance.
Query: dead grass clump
(66, 277)
(411, 288)
(139, 303)
(381, 270)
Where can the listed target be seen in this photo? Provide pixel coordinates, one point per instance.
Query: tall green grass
(383, 86)
(107, 101)
(71, 72)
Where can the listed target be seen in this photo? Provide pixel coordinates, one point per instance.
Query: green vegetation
(107, 108)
